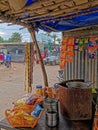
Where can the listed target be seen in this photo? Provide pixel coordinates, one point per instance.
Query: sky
(6, 32)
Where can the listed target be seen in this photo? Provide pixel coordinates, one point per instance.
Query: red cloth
(43, 56)
(1, 56)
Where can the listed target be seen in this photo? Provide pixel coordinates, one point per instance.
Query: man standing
(8, 60)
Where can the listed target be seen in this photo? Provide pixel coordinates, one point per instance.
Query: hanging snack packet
(76, 42)
(36, 111)
(81, 45)
(85, 42)
(65, 41)
(62, 64)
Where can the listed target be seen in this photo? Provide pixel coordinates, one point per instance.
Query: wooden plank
(66, 11)
(78, 2)
(41, 9)
(34, 6)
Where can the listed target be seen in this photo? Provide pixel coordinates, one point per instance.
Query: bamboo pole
(39, 54)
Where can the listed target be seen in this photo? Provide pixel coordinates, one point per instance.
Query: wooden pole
(40, 58)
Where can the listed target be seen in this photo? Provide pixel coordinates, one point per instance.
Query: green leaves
(16, 37)
(1, 39)
(54, 37)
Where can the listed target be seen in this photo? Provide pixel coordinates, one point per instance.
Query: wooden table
(63, 124)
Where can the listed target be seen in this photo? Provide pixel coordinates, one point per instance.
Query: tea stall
(78, 59)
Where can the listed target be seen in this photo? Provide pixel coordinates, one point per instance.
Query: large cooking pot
(82, 85)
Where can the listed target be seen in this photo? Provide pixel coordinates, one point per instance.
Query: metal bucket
(73, 95)
(79, 85)
(51, 119)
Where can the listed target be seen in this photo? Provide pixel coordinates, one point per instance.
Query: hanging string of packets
(92, 48)
(89, 44)
(69, 45)
(28, 67)
(67, 51)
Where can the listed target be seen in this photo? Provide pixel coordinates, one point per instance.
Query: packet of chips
(36, 111)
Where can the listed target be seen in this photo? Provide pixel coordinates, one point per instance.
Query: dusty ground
(12, 82)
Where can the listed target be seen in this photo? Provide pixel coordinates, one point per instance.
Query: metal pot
(82, 85)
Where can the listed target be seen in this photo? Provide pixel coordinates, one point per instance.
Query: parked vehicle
(52, 60)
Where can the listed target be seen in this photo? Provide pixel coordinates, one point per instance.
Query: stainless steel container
(51, 119)
(51, 105)
(51, 111)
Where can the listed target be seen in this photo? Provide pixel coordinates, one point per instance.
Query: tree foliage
(16, 37)
(54, 37)
(59, 40)
(1, 39)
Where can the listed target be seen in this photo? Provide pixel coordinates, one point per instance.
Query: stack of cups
(51, 112)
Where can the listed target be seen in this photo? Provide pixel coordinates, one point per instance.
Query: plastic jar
(39, 90)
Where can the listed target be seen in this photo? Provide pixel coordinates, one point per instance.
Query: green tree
(53, 36)
(59, 40)
(16, 37)
(1, 39)
(48, 34)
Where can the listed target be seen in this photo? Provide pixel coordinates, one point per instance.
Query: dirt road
(12, 82)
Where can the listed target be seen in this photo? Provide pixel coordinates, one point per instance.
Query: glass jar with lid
(39, 90)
